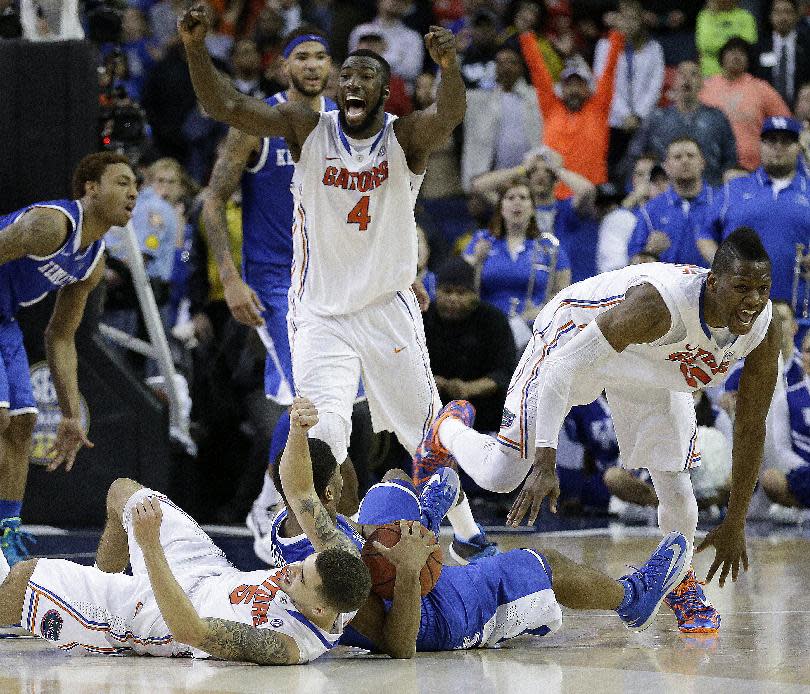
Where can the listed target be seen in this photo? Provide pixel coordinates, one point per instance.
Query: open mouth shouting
(355, 110)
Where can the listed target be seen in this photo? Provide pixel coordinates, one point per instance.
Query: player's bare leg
(12, 591)
(580, 587)
(112, 555)
(627, 487)
(15, 452)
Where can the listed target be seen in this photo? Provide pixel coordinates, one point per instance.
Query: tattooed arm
(235, 641)
(219, 638)
(296, 481)
(239, 149)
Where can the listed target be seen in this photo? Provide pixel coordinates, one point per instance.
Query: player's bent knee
(5, 419)
(776, 488)
(21, 426)
(119, 493)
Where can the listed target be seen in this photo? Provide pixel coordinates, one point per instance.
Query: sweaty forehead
(115, 170)
(748, 271)
(360, 62)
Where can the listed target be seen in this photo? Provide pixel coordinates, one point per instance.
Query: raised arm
(757, 383)
(220, 638)
(40, 232)
(604, 85)
(538, 72)
(60, 349)
(222, 101)
(421, 132)
(295, 471)
(225, 179)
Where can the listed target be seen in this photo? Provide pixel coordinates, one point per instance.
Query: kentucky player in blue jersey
(264, 168)
(474, 606)
(52, 246)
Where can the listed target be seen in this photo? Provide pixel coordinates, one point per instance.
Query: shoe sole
(433, 435)
(258, 539)
(457, 557)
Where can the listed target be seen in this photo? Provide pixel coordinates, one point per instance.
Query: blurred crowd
(598, 133)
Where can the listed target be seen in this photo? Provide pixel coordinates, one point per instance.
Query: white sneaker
(260, 521)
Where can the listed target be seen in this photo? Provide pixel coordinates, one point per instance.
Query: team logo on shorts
(51, 625)
(507, 419)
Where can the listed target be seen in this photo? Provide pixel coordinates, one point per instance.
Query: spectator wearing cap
(716, 23)
(688, 117)
(784, 52)
(669, 225)
(501, 124)
(746, 100)
(639, 78)
(774, 200)
(405, 50)
(471, 349)
(580, 115)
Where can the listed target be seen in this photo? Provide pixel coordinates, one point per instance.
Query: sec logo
(49, 413)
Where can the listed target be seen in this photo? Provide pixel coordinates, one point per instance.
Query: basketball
(383, 572)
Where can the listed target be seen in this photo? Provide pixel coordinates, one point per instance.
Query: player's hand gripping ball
(389, 548)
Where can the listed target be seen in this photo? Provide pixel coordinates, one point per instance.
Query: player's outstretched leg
(438, 496)
(694, 612)
(646, 587)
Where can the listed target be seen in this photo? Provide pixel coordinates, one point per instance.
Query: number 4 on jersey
(359, 214)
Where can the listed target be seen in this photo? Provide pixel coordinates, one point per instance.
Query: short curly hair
(346, 581)
(92, 168)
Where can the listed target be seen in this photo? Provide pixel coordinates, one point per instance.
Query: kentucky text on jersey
(356, 180)
(56, 275)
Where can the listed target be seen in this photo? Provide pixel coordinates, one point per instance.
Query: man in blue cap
(774, 200)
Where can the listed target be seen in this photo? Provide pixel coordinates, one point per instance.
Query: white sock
(4, 568)
(483, 459)
(461, 518)
(269, 495)
(449, 429)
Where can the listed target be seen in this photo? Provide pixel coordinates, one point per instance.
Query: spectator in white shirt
(639, 79)
(405, 50)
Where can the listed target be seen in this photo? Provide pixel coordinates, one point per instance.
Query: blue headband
(298, 40)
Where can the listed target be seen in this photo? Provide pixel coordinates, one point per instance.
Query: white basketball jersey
(256, 598)
(354, 232)
(687, 358)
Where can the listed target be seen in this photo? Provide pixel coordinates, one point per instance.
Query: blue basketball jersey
(28, 279)
(798, 397)
(267, 201)
(592, 426)
(287, 550)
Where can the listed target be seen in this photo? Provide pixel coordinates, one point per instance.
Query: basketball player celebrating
(48, 247)
(357, 174)
(649, 335)
(263, 168)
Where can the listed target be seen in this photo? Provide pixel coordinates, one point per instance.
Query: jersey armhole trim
(263, 152)
(76, 237)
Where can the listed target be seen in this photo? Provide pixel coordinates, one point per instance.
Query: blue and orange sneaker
(646, 587)
(431, 454)
(695, 614)
(13, 540)
(470, 551)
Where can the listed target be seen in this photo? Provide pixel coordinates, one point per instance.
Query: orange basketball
(383, 572)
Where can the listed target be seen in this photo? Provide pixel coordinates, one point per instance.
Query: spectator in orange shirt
(746, 100)
(576, 124)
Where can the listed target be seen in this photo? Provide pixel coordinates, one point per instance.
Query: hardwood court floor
(764, 644)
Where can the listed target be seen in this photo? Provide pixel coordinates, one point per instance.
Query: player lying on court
(473, 606)
(184, 598)
(649, 335)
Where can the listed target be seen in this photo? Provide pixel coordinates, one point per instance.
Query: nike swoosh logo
(676, 556)
(397, 350)
(332, 158)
